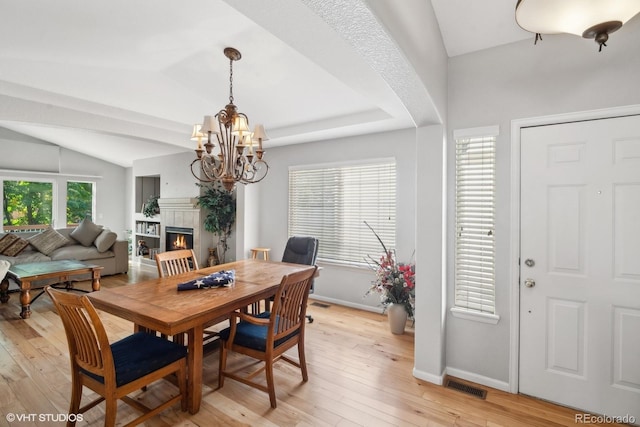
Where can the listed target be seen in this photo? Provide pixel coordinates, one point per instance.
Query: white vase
(397, 318)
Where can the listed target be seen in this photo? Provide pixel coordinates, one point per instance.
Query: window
(332, 202)
(27, 205)
(80, 202)
(475, 222)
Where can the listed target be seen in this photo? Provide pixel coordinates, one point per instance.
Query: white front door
(580, 265)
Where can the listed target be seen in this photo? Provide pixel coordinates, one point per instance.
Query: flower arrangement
(395, 282)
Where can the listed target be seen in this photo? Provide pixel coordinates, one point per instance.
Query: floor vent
(465, 388)
(319, 304)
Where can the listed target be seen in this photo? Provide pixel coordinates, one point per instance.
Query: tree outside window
(27, 205)
(79, 201)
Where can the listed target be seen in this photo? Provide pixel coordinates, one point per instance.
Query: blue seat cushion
(140, 354)
(254, 336)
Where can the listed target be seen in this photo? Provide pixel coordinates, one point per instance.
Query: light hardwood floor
(359, 375)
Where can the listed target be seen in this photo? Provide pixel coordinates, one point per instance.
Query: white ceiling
(126, 79)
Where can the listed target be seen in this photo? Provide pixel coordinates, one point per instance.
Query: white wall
(176, 179)
(345, 284)
(492, 87)
(429, 350)
(61, 165)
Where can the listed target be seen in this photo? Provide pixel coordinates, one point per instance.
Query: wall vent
(465, 388)
(319, 304)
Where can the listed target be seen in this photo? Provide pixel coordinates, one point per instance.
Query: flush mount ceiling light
(591, 19)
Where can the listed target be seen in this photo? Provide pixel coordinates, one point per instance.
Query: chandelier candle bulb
(248, 141)
(240, 126)
(259, 135)
(197, 135)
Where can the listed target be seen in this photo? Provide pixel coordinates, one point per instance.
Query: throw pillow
(12, 245)
(7, 240)
(105, 240)
(86, 232)
(48, 241)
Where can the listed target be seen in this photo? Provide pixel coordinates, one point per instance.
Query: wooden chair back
(284, 329)
(171, 263)
(290, 306)
(87, 339)
(93, 364)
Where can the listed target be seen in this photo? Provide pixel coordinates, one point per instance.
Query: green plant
(221, 207)
(151, 208)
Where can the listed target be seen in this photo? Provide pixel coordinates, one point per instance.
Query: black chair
(302, 250)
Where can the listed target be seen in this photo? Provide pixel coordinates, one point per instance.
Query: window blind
(331, 203)
(475, 224)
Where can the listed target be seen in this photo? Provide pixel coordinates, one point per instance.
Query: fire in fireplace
(178, 238)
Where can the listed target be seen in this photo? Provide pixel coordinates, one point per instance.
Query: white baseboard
(429, 377)
(478, 379)
(345, 303)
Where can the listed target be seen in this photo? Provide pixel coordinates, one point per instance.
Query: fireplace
(178, 238)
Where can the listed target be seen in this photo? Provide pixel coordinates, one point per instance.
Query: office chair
(302, 250)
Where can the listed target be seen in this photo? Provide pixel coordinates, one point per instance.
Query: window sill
(475, 316)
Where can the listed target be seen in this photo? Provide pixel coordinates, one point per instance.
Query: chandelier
(591, 19)
(237, 155)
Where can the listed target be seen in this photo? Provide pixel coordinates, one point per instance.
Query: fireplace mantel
(178, 203)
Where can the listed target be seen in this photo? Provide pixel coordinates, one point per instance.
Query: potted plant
(221, 214)
(395, 283)
(151, 208)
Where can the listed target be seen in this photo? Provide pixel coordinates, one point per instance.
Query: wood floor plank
(359, 375)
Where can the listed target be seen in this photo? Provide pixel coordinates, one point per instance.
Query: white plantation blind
(331, 203)
(475, 222)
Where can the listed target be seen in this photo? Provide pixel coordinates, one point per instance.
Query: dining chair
(298, 250)
(302, 250)
(266, 336)
(180, 261)
(115, 370)
(171, 263)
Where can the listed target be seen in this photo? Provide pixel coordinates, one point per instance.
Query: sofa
(88, 243)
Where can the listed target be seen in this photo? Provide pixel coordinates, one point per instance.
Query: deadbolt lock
(529, 262)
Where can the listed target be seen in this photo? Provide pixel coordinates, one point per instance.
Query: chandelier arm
(193, 173)
(250, 179)
(209, 168)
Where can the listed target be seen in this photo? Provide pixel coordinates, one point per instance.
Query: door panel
(580, 223)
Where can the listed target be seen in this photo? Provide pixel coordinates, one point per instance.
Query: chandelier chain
(231, 81)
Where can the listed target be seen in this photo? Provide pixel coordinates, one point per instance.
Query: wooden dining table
(157, 305)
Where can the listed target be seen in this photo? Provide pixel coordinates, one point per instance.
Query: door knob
(529, 283)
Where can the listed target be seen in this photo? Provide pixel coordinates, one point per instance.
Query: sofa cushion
(12, 245)
(48, 241)
(105, 240)
(26, 257)
(66, 232)
(86, 232)
(80, 253)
